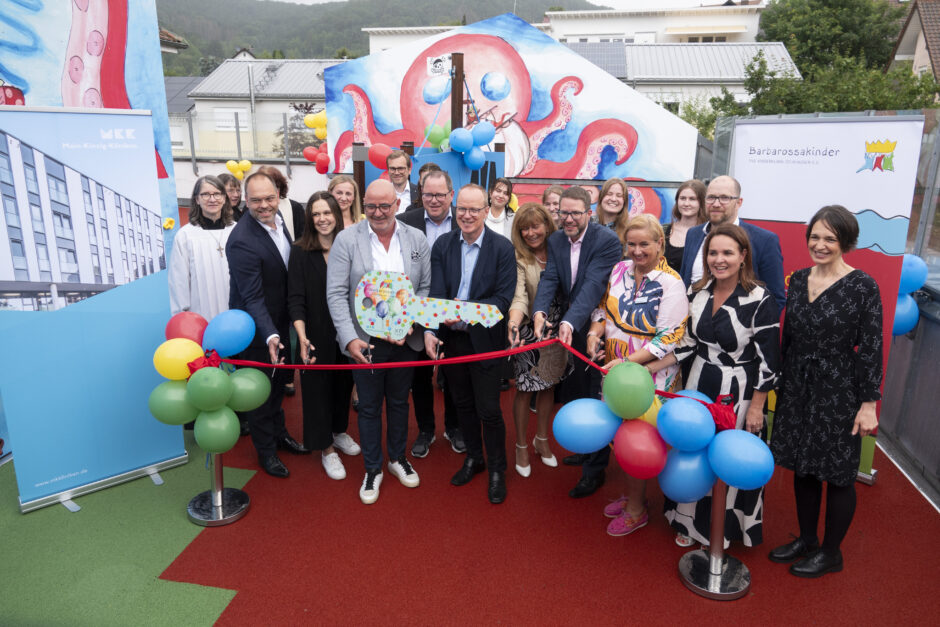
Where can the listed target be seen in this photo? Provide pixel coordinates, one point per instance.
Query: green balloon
(435, 134)
(209, 389)
(168, 404)
(250, 388)
(447, 128)
(444, 145)
(629, 390)
(217, 431)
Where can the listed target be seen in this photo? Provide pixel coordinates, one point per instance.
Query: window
(32, 181)
(36, 213)
(6, 172)
(707, 39)
(58, 191)
(62, 225)
(693, 40)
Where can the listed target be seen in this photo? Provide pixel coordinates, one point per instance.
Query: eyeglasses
(724, 200)
(474, 211)
(564, 215)
(211, 195)
(267, 200)
(372, 208)
(397, 170)
(438, 197)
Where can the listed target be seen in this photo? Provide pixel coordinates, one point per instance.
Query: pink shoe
(626, 524)
(615, 508)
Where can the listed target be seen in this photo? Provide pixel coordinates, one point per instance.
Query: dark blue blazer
(600, 251)
(768, 260)
(258, 280)
(415, 217)
(493, 282)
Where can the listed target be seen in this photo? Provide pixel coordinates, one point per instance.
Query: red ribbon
(408, 364)
(209, 360)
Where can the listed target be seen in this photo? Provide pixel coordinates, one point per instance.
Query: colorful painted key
(386, 307)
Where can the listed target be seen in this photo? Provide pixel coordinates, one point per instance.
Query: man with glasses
(398, 164)
(379, 242)
(478, 265)
(434, 219)
(258, 250)
(580, 258)
(722, 202)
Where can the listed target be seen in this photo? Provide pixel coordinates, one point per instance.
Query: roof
(172, 40)
(663, 10)
(682, 62)
(927, 17)
(273, 79)
(176, 89)
(427, 30)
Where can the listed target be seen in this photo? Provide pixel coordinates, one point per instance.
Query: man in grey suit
(379, 242)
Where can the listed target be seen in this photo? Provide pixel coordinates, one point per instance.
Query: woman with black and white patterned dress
(731, 346)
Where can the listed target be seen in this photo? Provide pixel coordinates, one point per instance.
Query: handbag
(722, 410)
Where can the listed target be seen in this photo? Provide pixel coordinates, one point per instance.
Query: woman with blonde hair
(346, 192)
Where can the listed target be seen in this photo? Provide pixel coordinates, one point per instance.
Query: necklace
(218, 242)
(541, 261)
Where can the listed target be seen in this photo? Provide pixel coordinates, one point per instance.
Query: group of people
(698, 303)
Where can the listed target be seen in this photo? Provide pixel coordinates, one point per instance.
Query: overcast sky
(616, 4)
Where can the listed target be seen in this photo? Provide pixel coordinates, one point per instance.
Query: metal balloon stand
(218, 505)
(713, 574)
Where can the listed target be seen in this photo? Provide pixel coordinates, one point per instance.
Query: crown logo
(882, 146)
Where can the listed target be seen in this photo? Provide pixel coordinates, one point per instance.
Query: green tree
(817, 32)
(344, 53)
(208, 64)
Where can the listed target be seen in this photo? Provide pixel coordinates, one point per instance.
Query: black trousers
(422, 395)
(474, 388)
(326, 396)
(266, 423)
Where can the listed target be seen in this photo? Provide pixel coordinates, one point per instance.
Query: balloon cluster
(317, 121)
(913, 277)
(470, 143)
(209, 395)
(238, 168)
(643, 429)
(437, 136)
(319, 156)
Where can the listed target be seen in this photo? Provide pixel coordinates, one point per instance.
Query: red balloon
(323, 163)
(323, 148)
(186, 324)
(377, 155)
(640, 450)
(384, 175)
(310, 153)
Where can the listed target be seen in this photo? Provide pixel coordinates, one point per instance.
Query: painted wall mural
(559, 115)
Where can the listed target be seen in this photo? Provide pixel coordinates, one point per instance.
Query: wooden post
(456, 91)
(359, 171)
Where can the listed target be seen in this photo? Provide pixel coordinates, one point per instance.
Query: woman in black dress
(832, 369)
(688, 211)
(325, 392)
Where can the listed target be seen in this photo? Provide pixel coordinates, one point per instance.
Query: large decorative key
(386, 307)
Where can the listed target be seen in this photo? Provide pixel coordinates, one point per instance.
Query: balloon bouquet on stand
(320, 155)
(700, 460)
(203, 389)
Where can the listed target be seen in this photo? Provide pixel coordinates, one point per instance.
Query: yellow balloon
(650, 415)
(513, 202)
(319, 119)
(238, 174)
(244, 165)
(320, 132)
(309, 120)
(232, 166)
(171, 358)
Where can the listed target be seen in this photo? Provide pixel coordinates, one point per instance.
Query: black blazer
(306, 300)
(415, 217)
(258, 280)
(493, 283)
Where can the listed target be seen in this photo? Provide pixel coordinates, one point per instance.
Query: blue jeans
(390, 385)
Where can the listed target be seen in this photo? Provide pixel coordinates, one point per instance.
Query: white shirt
(697, 269)
(389, 260)
(502, 224)
(198, 271)
(278, 237)
(404, 198)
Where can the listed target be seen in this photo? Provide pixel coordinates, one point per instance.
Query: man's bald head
(380, 204)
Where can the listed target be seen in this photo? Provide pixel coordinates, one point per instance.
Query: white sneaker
(369, 492)
(333, 466)
(402, 469)
(346, 444)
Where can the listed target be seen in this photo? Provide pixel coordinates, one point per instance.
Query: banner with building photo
(789, 169)
(81, 207)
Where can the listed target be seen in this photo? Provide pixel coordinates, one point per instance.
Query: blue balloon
(483, 133)
(381, 308)
(685, 424)
(585, 425)
(687, 476)
(913, 274)
(695, 394)
(436, 90)
(495, 85)
(741, 459)
(906, 315)
(461, 140)
(474, 158)
(229, 333)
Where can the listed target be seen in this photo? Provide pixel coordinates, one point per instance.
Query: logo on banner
(879, 155)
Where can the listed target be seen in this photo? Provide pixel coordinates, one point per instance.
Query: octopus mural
(548, 129)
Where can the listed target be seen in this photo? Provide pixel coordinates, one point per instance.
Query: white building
(67, 236)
